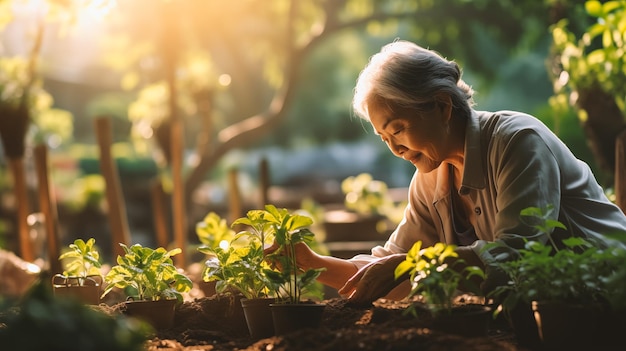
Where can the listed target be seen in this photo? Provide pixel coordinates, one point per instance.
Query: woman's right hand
(304, 255)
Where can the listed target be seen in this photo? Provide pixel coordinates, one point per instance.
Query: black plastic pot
(291, 317)
(159, 313)
(258, 315)
(466, 320)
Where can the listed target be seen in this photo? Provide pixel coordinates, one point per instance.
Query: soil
(217, 323)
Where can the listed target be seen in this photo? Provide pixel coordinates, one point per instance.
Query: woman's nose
(396, 148)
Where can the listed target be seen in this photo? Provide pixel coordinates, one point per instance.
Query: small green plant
(147, 274)
(363, 194)
(236, 260)
(38, 321)
(288, 229)
(615, 287)
(575, 271)
(434, 275)
(81, 261)
(214, 231)
(367, 196)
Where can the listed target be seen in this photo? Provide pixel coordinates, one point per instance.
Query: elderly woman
(475, 172)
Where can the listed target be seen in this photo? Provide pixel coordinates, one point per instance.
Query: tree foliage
(240, 72)
(590, 74)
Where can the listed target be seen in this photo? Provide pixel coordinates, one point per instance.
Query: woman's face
(421, 138)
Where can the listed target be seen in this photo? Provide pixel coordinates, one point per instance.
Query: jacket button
(477, 210)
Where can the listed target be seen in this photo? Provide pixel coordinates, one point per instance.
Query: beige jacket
(512, 161)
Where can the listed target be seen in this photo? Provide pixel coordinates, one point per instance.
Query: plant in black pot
(292, 311)
(562, 285)
(82, 279)
(153, 284)
(439, 277)
(238, 265)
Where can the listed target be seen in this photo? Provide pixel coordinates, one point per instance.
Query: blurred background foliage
(273, 79)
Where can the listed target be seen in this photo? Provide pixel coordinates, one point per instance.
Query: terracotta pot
(159, 313)
(564, 326)
(289, 317)
(85, 290)
(258, 315)
(466, 320)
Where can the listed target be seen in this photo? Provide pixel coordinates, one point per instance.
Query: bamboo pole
(264, 175)
(21, 198)
(620, 171)
(115, 201)
(48, 208)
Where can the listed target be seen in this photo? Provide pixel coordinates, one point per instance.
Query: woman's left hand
(373, 281)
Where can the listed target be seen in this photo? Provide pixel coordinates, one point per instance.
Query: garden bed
(214, 323)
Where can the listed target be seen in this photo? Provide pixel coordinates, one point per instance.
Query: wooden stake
(48, 208)
(620, 171)
(264, 182)
(178, 194)
(23, 208)
(234, 195)
(116, 205)
(160, 214)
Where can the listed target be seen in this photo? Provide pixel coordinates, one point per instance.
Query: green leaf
(402, 268)
(610, 6)
(594, 8)
(607, 39)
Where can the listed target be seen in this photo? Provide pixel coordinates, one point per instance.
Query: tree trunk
(603, 124)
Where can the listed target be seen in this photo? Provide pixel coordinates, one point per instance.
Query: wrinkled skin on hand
(373, 280)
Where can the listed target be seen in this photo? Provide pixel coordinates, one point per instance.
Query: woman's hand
(304, 254)
(373, 280)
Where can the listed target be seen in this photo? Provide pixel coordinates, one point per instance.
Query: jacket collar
(474, 164)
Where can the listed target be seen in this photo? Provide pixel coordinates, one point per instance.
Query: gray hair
(406, 75)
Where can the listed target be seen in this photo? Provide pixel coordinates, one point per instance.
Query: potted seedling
(238, 264)
(368, 210)
(214, 233)
(564, 283)
(151, 282)
(81, 278)
(291, 310)
(437, 275)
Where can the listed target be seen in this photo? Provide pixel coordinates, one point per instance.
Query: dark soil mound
(217, 323)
